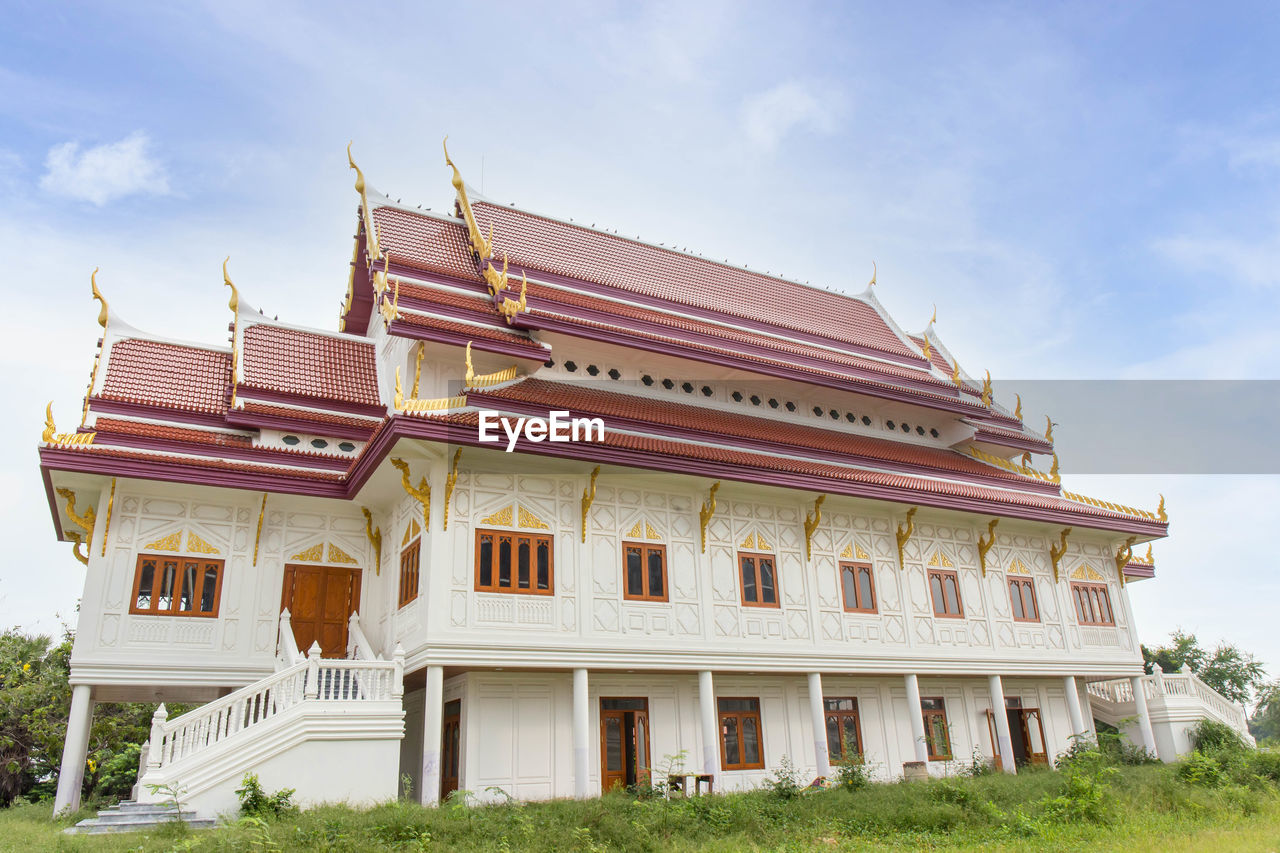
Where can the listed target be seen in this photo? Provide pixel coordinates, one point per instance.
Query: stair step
(130, 816)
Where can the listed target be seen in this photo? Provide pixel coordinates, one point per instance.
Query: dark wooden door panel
(321, 600)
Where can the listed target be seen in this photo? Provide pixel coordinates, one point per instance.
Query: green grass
(1149, 809)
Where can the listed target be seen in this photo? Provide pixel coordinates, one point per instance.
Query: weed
(256, 802)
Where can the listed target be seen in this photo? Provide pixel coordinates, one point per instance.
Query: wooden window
(409, 558)
(644, 567)
(741, 744)
(513, 561)
(1022, 595)
(1093, 604)
(944, 586)
(165, 585)
(937, 734)
(844, 734)
(858, 585)
(759, 576)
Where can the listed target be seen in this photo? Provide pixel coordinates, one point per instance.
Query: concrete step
(128, 816)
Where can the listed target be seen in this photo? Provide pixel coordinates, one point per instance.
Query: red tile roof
(429, 321)
(205, 462)
(588, 255)
(171, 376)
(299, 414)
(424, 242)
(295, 362)
(172, 433)
(582, 399)
(735, 335)
(1020, 436)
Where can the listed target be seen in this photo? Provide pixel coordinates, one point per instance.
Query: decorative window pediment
(173, 543)
(316, 554)
(1087, 572)
(941, 560)
(526, 520)
(855, 551)
(1017, 568)
(410, 531)
(755, 541)
(642, 529)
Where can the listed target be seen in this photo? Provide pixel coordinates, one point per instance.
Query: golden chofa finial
(511, 307)
(928, 350)
(370, 236)
(97, 294)
(934, 318)
(50, 429)
(872, 283)
(986, 390)
(482, 248)
(1017, 410)
(471, 374)
(1048, 429)
(1163, 516)
(955, 373)
(234, 303)
(1053, 471)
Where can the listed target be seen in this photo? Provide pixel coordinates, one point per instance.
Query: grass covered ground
(1145, 808)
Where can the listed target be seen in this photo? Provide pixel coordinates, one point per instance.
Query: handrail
(287, 653)
(312, 679)
(358, 645)
(1161, 686)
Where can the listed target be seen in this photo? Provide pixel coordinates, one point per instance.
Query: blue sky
(1085, 190)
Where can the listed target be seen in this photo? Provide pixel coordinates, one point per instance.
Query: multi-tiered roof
(306, 411)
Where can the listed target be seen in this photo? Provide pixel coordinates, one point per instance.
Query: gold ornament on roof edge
(417, 368)
(510, 307)
(1048, 429)
(811, 523)
(872, 283)
(1017, 410)
(904, 535)
(450, 482)
(1123, 555)
(1160, 513)
(482, 248)
(366, 215)
(421, 493)
(1057, 552)
(985, 544)
(375, 538)
(234, 302)
(588, 497)
(986, 390)
(955, 373)
(707, 511)
(97, 294)
(934, 318)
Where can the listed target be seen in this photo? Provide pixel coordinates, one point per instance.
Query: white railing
(358, 645)
(1159, 688)
(287, 653)
(314, 679)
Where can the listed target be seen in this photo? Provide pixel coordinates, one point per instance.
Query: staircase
(129, 816)
(329, 728)
(1175, 703)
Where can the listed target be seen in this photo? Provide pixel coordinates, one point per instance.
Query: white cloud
(105, 172)
(770, 115)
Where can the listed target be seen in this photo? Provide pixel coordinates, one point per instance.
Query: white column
(1144, 718)
(581, 736)
(75, 750)
(1078, 728)
(821, 749)
(1004, 743)
(916, 715)
(710, 726)
(432, 734)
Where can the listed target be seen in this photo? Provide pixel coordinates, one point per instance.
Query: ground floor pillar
(1144, 717)
(915, 714)
(1078, 726)
(1004, 743)
(581, 736)
(710, 727)
(432, 734)
(817, 713)
(75, 750)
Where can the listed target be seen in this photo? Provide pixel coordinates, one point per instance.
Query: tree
(1231, 671)
(1265, 722)
(35, 703)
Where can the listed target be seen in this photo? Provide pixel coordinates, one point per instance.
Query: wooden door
(624, 743)
(451, 748)
(995, 741)
(1033, 736)
(321, 600)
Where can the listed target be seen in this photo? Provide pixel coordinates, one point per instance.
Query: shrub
(256, 802)
(852, 773)
(1084, 796)
(1264, 764)
(784, 783)
(1210, 736)
(1201, 769)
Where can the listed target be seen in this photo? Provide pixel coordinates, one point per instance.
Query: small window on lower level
(844, 734)
(937, 734)
(741, 744)
(176, 586)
